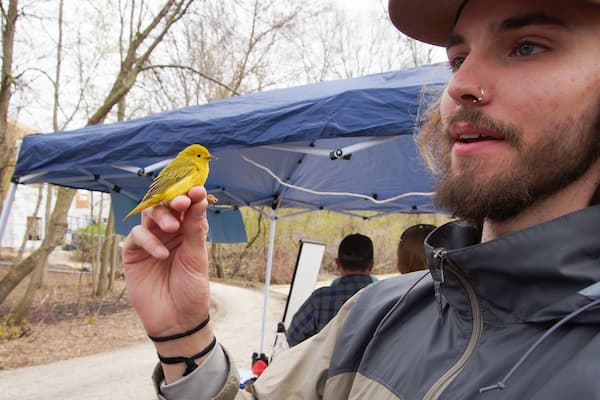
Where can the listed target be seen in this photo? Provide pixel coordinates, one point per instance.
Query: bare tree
(222, 49)
(339, 45)
(107, 264)
(141, 41)
(7, 80)
(50, 189)
(104, 275)
(21, 270)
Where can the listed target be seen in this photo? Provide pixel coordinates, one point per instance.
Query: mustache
(511, 133)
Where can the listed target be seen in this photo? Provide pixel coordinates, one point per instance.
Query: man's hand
(166, 271)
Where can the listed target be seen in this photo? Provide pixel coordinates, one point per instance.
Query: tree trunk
(110, 249)
(106, 256)
(7, 143)
(51, 240)
(93, 244)
(19, 314)
(97, 244)
(215, 258)
(114, 261)
(47, 216)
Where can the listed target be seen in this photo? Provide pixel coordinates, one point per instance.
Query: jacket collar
(534, 275)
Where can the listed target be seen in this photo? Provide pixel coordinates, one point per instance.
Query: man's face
(536, 66)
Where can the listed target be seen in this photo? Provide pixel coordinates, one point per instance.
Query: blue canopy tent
(344, 145)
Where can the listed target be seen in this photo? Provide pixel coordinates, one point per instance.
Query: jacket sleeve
(200, 384)
(300, 372)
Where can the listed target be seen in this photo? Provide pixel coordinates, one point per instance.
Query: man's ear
(371, 265)
(338, 263)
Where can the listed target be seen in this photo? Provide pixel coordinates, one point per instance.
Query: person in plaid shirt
(355, 261)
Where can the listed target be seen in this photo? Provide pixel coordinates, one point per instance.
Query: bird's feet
(211, 199)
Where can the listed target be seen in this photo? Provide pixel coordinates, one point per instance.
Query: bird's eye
(198, 155)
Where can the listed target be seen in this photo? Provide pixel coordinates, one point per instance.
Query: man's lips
(465, 132)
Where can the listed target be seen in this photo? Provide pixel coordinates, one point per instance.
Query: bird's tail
(136, 210)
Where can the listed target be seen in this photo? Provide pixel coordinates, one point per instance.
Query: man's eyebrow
(516, 22)
(521, 21)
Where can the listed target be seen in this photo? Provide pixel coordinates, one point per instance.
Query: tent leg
(8, 202)
(268, 278)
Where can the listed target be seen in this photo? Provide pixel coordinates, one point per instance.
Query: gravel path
(125, 374)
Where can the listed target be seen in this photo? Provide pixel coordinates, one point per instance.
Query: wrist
(185, 347)
(180, 335)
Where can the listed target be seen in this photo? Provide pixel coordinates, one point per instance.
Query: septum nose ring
(477, 100)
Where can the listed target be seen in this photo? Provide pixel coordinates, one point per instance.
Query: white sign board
(308, 264)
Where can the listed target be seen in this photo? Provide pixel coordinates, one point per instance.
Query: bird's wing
(173, 173)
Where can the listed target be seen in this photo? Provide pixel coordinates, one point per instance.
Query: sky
(358, 5)
(365, 7)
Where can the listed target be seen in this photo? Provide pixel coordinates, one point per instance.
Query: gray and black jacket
(513, 318)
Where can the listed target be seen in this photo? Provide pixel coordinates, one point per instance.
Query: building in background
(23, 208)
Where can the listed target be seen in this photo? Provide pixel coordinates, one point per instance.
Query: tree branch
(184, 67)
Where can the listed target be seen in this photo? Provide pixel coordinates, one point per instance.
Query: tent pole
(10, 196)
(268, 278)
(8, 202)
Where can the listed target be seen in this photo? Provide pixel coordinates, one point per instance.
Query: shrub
(86, 241)
(10, 329)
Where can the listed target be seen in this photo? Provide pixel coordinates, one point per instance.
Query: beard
(564, 153)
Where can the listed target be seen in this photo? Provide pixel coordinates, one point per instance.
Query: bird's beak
(212, 158)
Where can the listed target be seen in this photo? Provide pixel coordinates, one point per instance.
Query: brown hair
(427, 135)
(411, 251)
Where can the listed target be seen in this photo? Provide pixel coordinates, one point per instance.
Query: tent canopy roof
(268, 143)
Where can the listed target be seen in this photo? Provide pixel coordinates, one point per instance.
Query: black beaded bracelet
(180, 335)
(190, 365)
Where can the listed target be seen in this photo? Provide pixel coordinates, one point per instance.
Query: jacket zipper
(438, 276)
(442, 261)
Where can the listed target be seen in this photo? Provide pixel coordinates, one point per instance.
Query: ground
(66, 322)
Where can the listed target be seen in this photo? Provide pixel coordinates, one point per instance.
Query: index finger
(183, 202)
(167, 217)
(161, 217)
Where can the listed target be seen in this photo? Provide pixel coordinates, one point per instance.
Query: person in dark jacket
(355, 263)
(510, 306)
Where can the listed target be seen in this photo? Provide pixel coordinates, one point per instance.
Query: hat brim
(429, 21)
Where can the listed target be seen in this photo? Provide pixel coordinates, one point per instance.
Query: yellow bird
(188, 169)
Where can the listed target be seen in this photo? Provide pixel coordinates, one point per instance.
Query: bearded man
(510, 308)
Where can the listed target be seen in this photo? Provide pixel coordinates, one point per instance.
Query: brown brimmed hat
(429, 21)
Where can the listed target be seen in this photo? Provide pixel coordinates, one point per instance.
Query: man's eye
(526, 49)
(456, 62)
